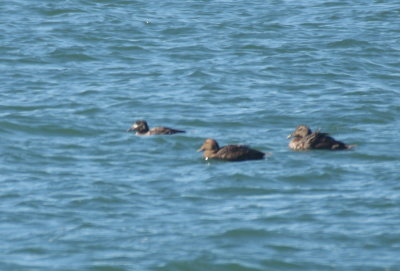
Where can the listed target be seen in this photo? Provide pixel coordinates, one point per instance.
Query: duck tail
(267, 154)
(349, 147)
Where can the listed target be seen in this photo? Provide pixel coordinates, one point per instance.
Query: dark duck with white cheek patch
(305, 139)
(142, 129)
(212, 150)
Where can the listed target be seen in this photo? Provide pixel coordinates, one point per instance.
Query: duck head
(140, 126)
(209, 145)
(301, 131)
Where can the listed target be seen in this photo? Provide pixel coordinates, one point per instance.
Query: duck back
(238, 153)
(164, 131)
(319, 140)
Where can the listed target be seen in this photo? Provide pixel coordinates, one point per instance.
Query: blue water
(80, 193)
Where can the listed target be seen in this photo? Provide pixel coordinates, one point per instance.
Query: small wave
(243, 233)
(177, 30)
(208, 263)
(130, 48)
(59, 11)
(346, 43)
(241, 191)
(70, 54)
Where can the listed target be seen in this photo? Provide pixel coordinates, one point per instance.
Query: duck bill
(133, 128)
(290, 136)
(201, 149)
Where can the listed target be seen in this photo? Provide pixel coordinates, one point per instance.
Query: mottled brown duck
(212, 150)
(142, 129)
(305, 139)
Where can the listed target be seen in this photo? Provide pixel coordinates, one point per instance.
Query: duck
(212, 150)
(142, 129)
(305, 139)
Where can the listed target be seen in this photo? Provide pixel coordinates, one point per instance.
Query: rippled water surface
(80, 193)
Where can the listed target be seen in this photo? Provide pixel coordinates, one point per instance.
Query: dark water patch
(199, 74)
(393, 76)
(333, 4)
(199, 264)
(240, 191)
(22, 108)
(100, 201)
(54, 130)
(70, 56)
(275, 26)
(253, 47)
(176, 31)
(243, 233)
(381, 15)
(59, 11)
(374, 157)
(131, 49)
(289, 265)
(348, 43)
(33, 60)
(309, 177)
(88, 111)
(282, 248)
(105, 267)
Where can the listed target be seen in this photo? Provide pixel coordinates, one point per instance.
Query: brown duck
(141, 128)
(212, 150)
(305, 139)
